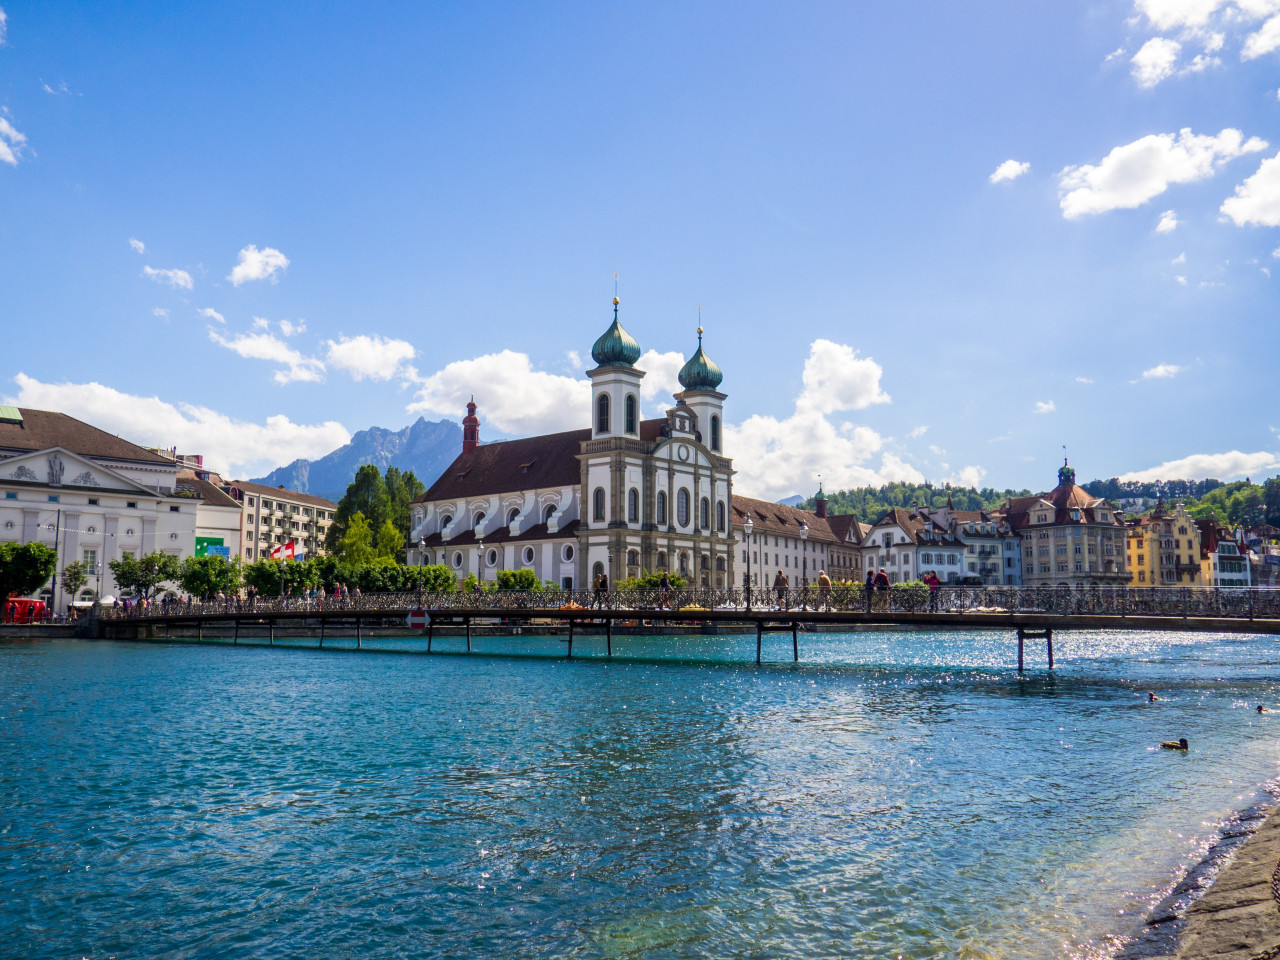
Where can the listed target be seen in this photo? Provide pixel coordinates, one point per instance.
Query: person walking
(870, 587)
(664, 592)
(882, 591)
(780, 585)
(934, 583)
(824, 591)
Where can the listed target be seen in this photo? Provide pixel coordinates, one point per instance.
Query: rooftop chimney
(470, 428)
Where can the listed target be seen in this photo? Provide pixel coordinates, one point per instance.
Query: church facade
(622, 497)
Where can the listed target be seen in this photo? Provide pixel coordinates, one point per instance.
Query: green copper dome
(616, 347)
(700, 373)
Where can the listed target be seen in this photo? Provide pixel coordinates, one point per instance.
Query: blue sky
(933, 240)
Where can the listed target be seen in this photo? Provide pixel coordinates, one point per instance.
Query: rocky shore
(1228, 906)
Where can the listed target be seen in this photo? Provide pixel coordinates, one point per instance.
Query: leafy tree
(870, 503)
(651, 581)
(206, 576)
(25, 567)
(1271, 499)
(402, 487)
(518, 580)
(356, 544)
(366, 495)
(143, 574)
(269, 577)
(74, 576)
(389, 542)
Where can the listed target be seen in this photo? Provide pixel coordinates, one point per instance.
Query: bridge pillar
(235, 637)
(271, 633)
(199, 629)
(608, 637)
(795, 641)
(1021, 641)
(357, 633)
(570, 653)
(321, 632)
(468, 623)
(1048, 639)
(759, 638)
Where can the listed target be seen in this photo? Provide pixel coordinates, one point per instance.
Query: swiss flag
(288, 551)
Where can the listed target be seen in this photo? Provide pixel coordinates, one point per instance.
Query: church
(622, 496)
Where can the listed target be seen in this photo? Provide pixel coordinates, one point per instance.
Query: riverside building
(623, 496)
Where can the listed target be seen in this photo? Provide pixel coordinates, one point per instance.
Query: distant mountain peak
(425, 446)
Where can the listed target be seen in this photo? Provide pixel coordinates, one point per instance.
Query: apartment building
(272, 516)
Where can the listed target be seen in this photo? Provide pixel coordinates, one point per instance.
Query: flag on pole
(292, 550)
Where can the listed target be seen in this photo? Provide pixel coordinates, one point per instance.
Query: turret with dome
(615, 347)
(701, 379)
(700, 371)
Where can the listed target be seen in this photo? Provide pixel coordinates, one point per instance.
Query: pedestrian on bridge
(780, 585)
(869, 588)
(824, 590)
(882, 591)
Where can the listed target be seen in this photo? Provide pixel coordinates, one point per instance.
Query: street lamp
(480, 560)
(422, 553)
(747, 526)
(804, 577)
(609, 586)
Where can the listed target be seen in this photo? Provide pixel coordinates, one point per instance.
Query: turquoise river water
(895, 794)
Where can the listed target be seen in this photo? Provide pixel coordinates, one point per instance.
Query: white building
(624, 496)
(88, 495)
(272, 516)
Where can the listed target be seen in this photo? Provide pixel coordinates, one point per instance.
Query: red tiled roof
(1063, 498)
(780, 520)
(843, 524)
(41, 429)
(205, 490)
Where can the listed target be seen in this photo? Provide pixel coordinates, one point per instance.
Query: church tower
(701, 378)
(615, 383)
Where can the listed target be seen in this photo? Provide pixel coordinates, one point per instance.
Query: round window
(528, 554)
(457, 560)
(93, 530)
(568, 551)
(129, 532)
(493, 557)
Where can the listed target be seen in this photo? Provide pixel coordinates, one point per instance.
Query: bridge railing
(1255, 602)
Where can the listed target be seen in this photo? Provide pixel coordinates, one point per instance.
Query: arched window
(720, 516)
(477, 519)
(715, 433)
(704, 563)
(633, 413)
(445, 521)
(684, 564)
(597, 512)
(720, 563)
(512, 514)
(602, 414)
(704, 514)
(662, 507)
(633, 558)
(597, 571)
(682, 508)
(633, 505)
(662, 560)
(548, 513)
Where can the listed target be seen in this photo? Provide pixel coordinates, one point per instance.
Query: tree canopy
(381, 500)
(74, 576)
(871, 503)
(25, 567)
(144, 574)
(209, 575)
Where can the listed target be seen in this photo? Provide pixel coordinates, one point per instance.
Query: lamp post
(609, 586)
(422, 553)
(804, 576)
(480, 560)
(747, 526)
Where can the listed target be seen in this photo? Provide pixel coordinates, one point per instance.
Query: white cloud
(1162, 371)
(178, 279)
(836, 378)
(1180, 258)
(4, 24)
(662, 376)
(266, 346)
(1083, 380)
(258, 264)
(513, 397)
(1257, 200)
(1264, 41)
(1168, 222)
(1044, 406)
(210, 314)
(290, 329)
(232, 447)
(369, 357)
(1181, 280)
(936, 450)
(1276, 253)
(1009, 170)
(160, 312)
(968, 477)
(1165, 14)
(1204, 466)
(1133, 173)
(260, 323)
(137, 245)
(1115, 54)
(918, 432)
(1155, 61)
(11, 143)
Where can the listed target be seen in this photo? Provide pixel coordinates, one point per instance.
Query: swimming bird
(1175, 744)
(1262, 709)
(1151, 697)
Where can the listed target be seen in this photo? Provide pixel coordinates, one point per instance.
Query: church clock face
(682, 452)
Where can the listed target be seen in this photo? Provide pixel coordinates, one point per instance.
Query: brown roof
(844, 524)
(206, 491)
(526, 464)
(261, 489)
(467, 538)
(780, 520)
(41, 429)
(1064, 498)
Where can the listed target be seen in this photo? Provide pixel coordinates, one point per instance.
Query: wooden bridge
(570, 621)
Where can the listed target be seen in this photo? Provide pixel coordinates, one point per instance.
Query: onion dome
(616, 347)
(700, 373)
(1066, 474)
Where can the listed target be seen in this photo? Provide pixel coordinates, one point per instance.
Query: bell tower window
(715, 433)
(632, 413)
(602, 413)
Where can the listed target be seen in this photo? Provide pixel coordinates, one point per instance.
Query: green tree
(205, 576)
(366, 495)
(518, 580)
(24, 568)
(144, 574)
(1271, 499)
(390, 541)
(74, 576)
(402, 487)
(356, 544)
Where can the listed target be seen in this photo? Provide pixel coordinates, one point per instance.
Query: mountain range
(426, 447)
